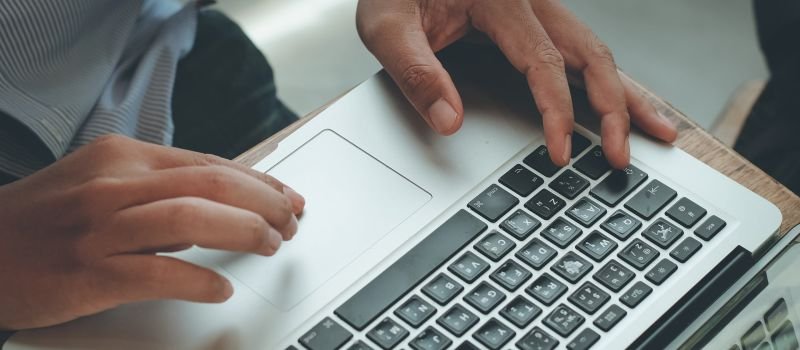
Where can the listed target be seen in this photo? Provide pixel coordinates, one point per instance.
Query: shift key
(618, 185)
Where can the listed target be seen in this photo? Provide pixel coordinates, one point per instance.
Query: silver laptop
(411, 240)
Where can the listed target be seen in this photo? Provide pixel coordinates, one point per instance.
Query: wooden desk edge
(691, 138)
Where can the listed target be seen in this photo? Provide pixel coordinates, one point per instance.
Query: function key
(359, 345)
(776, 314)
(494, 334)
(651, 199)
(618, 185)
(569, 184)
(597, 246)
(545, 204)
(546, 289)
(593, 164)
(661, 271)
(520, 224)
(753, 337)
(537, 339)
(561, 232)
(563, 320)
(430, 339)
(387, 334)
(511, 275)
(572, 267)
(540, 161)
(621, 225)
(584, 340)
(710, 228)
(589, 298)
(586, 212)
(614, 275)
(415, 311)
(458, 320)
(484, 297)
(536, 254)
(469, 267)
(520, 311)
(521, 180)
(493, 203)
(495, 245)
(639, 254)
(635, 294)
(662, 233)
(327, 334)
(442, 289)
(579, 143)
(686, 249)
(686, 212)
(609, 318)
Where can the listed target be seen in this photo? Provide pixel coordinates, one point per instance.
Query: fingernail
(293, 226)
(274, 239)
(227, 289)
(664, 119)
(567, 148)
(297, 200)
(442, 115)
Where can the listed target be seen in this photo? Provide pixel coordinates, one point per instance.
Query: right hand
(82, 235)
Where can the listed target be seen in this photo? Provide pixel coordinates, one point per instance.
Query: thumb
(403, 49)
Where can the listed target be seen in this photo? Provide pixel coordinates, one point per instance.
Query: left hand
(541, 38)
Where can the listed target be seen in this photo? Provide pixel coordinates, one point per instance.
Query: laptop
(411, 240)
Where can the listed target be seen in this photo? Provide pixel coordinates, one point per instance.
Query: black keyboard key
(686, 212)
(569, 184)
(635, 294)
(586, 212)
(359, 345)
(511, 275)
(639, 254)
(614, 275)
(430, 339)
(545, 204)
(521, 180)
(484, 297)
(469, 267)
(520, 311)
(597, 246)
(442, 289)
(710, 228)
(536, 254)
(593, 164)
(754, 336)
(327, 334)
(579, 144)
(466, 345)
(621, 224)
(537, 339)
(415, 311)
(563, 320)
(686, 249)
(387, 334)
(661, 271)
(561, 232)
(609, 318)
(651, 199)
(408, 271)
(589, 298)
(546, 289)
(776, 314)
(540, 161)
(494, 334)
(618, 185)
(785, 337)
(457, 320)
(495, 245)
(493, 203)
(572, 267)
(662, 233)
(520, 224)
(584, 340)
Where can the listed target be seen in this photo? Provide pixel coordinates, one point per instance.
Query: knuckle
(257, 227)
(548, 56)
(219, 180)
(204, 159)
(418, 77)
(599, 51)
(284, 210)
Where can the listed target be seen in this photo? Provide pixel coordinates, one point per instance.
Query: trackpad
(352, 201)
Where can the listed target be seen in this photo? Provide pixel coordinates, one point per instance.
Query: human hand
(81, 236)
(541, 38)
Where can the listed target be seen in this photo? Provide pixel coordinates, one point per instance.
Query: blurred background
(694, 53)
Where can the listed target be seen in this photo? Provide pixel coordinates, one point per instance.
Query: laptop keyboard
(545, 257)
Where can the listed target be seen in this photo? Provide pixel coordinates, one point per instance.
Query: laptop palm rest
(352, 201)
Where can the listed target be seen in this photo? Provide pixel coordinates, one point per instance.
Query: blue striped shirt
(73, 70)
